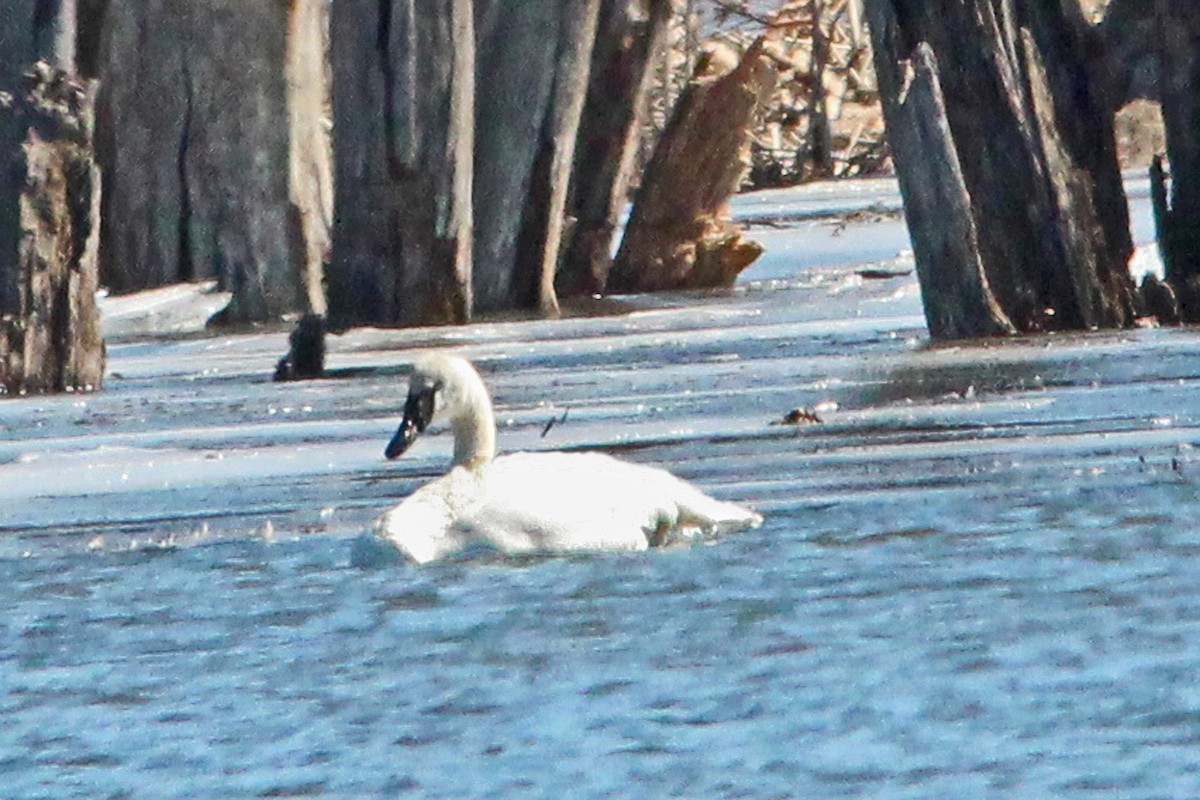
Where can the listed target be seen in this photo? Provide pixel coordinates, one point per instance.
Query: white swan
(548, 502)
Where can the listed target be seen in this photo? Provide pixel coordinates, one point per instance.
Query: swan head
(444, 387)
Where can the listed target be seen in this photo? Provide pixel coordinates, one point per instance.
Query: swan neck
(475, 432)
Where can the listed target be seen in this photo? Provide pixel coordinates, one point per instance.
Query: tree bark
(49, 188)
(957, 299)
(193, 143)
(679, 235)
(403, 99)
(1033, 137)
(532, 71)
(310, 154)
(630, 32)
(1179, 38)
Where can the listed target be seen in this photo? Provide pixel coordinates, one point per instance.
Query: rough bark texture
(1034, 141)
(403, 95)
(629, 33)
(532, 70)
(679, 235)
(193, 144)
(310, 153)
(50, 336)
(957, 299)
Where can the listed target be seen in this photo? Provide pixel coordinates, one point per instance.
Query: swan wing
(562, 502)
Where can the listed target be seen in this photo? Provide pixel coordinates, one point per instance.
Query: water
(978, 575)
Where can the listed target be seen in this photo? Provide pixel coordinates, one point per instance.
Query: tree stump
(679, 234)
(50, 338)
(193, 141)
(629, 34)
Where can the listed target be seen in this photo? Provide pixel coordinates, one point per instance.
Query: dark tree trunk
(630, 32)
(534, 60)
(193, 143)
(957, 299)
(1034, 141)
(403, 98)
(49, 326)
(679, 235)
(1179, 38)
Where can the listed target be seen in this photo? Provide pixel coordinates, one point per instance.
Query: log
(629, 34)
(679, 234)
(192, 138)
(403, 105)
(50, 338)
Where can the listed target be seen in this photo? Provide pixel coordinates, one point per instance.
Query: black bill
(418, 411)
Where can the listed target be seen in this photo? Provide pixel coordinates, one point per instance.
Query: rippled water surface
(979, 574)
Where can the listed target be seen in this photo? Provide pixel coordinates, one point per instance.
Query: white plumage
(548, 502)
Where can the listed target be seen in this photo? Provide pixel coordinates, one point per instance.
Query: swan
(535, 502)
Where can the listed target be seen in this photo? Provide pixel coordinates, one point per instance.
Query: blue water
(1017, 656)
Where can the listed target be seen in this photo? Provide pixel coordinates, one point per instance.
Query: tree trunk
(958, 301)
(49, 326)
(532, 71)
(193, 143)
(630, 32)
(403, 98)
(1179, 36)
(1034, 142)
(310, 154)
(679, 235)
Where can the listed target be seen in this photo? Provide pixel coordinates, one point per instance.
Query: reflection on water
(978, 575)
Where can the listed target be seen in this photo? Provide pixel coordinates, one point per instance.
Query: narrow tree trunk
(403, 99)
(193, 142)
(49, 326)
(534, 60)
(310, 172)
(679, 234)
(1034, 142)
(629, 34)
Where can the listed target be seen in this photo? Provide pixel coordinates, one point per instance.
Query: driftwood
(193, 141)
(629, 34)
(679, 234)
(403, 99)
(1033, 137)
(49, 191)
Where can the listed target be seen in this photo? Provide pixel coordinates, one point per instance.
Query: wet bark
(532, 71)
(679, 234)
(1033, 137)
(50, 336)
(403, 98)
(194, 147)
(629, 33)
